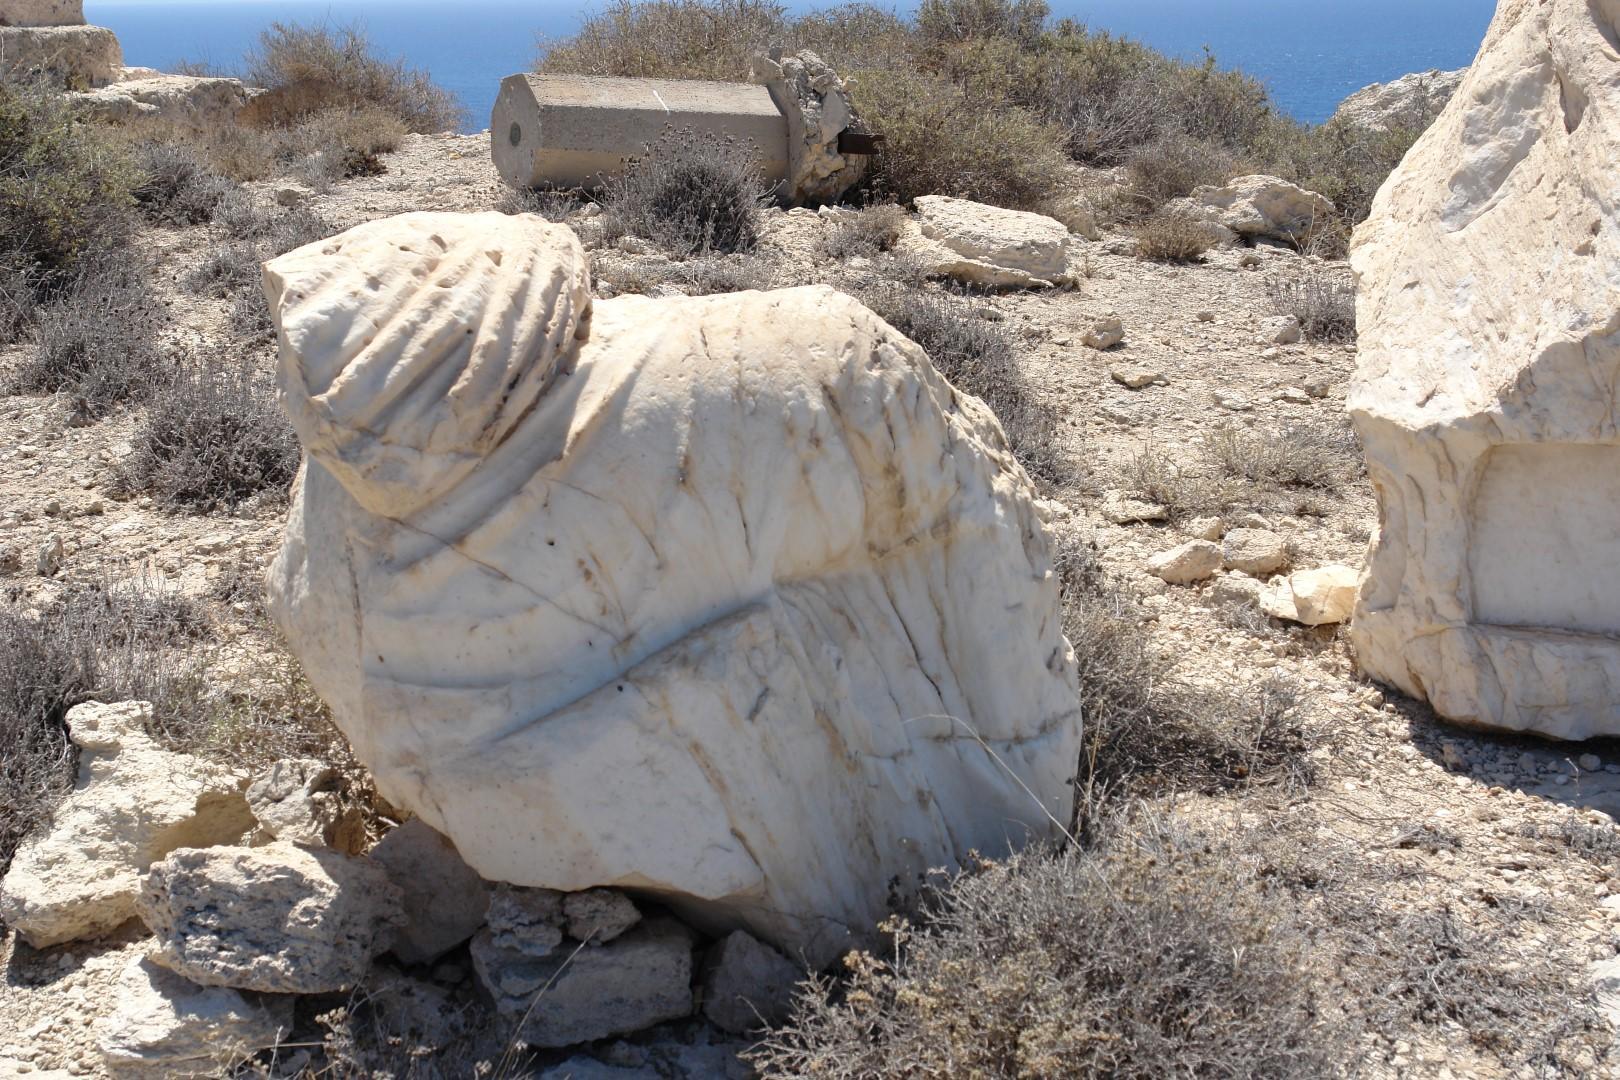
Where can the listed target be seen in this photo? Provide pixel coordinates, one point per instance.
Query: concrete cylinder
(573, 130)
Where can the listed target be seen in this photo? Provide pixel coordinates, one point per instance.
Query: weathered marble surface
(1487, 387)
(713, 598)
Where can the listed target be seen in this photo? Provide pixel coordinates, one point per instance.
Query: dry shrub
(65, 202)
(690, 195)
(980, 358)
(1172, 236)
(252, 233)
(670, 39)
(865, 234)
(1147, 733)
(554, 206)
(1152, 955)
(1322, 300)
(178, 187)
(1183, 492)
(342, 143)
(98, 345)
(1174, 166)
(1320, 455)
(210, 441)
(315, 69)
(725, 274)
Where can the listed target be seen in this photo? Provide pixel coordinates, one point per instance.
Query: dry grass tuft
(1172, 236)
(690, 196)
(1322, 300)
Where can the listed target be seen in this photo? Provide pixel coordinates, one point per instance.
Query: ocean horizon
(1309, 58)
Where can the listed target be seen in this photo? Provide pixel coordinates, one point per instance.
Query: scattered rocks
(299, 800)
(747, 985)
(1205, 528)
(133, 803)
(631, 983)
(987, 245)
(1104, 333)
(279, 919)
(444, 899)
(1193, 561)
(1313, 597)
(164, 1026)
(1255, 551)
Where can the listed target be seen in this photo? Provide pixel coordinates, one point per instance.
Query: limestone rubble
(734, 598)
(1487, 387)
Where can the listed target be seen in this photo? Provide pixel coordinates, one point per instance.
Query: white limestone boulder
(1485, 392)
(713, 597)
(1182, 565)
(1317, 597)
(196, 104)
(279, 919)
(163, 1026)
(1409, 103)
(986, 245)
(132, 804)
(1259, 208)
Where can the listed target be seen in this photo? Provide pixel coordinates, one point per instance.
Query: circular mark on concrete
(516, 134)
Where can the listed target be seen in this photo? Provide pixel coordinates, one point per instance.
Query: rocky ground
(1512, 838)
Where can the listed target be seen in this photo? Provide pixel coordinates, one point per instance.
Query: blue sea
(1310, 53)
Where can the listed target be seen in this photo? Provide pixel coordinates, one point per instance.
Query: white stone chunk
(1193, 561)
(713, 597)
(1484, 391)
(988, 245)
(1313, 597)
(1259, 207)
(1259, 552)
(165, 1026)
(133, 803)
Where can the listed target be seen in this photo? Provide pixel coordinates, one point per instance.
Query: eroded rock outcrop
(189, 103)
(818, 107)
(1487, 385)
(1259, 208)
(986, 245)
(730, 598)
(134, 802)
(1408, 103)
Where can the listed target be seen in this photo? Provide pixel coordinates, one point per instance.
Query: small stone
(51, 554)
(1281, 330)
(1104, 333)
(1589, 762)
(599, 915)
(52, 507)
(1121, 509)
(1134, 376)
(1255, 551)
(747, 985)
(1232, 402)
(1206, 316)
(298, 800)
(291, 195)
(1206, 528)
(1235, 590)
(1313, 597)
(1318, 388)
(1193, 561)
(1294, 395)
(1452, 756)
(1250, 520)
(11, 559)
(445, 899)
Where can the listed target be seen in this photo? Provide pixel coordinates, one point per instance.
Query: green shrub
(691, 195)
(65, 201)
(314, 69)
(940, 140)
(1153, 955)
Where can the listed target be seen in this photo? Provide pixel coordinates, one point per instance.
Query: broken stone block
(578, 994)
(164, 1026)
(1317, 597)
(132, 804)
(1259, 207)
(818, 109)
(747, 985)
(637, 656)
(77, 57)
(445, 900)
(42, 13)
(986, 245)
(1484, 389)
(298, 800)
(279, 919)
(190, 103)
(1259, 552)
(599, 915)
(1104, 333)
(1193, 561)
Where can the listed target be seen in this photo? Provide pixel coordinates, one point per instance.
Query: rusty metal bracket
(858, 142)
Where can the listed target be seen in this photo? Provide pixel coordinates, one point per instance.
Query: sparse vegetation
(689, 195)
(252, 234)
(865, 234)
(980, 358)
(1174, 166)
(178, 188)
(211, 440)
(1173, 236)
(1319, 455)
(1324, 302)
(98, 345)
(1151, 954)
